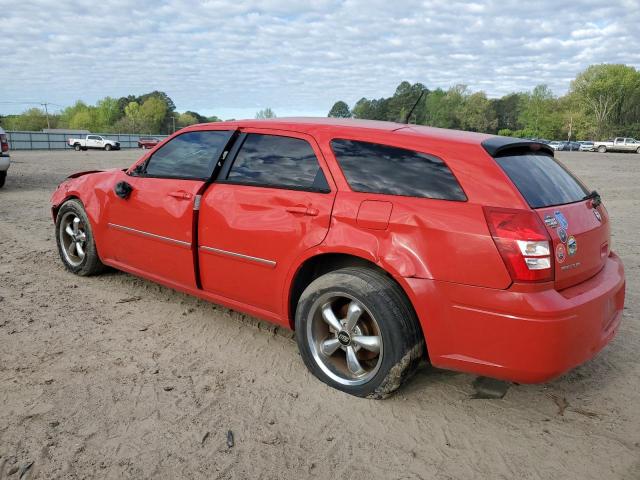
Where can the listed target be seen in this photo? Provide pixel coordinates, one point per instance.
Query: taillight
(523, 243)
(3, 142)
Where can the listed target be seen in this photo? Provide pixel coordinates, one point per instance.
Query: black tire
(90, 263)
(77, 147)
(638, 150)
(403, 345)
(107, 147)
(602, 149)
(3, 178)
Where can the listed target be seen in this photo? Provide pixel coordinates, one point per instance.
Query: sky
(231, 58)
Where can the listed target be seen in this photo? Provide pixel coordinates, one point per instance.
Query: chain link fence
(20, 140)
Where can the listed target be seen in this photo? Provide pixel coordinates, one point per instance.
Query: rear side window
(191, 155)
(542, 181)
(276, 161)
(375, 168)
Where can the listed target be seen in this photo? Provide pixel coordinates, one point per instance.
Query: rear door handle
(312, 212)
(181, 194)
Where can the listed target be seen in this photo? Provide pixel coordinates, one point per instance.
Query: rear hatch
(578, 225)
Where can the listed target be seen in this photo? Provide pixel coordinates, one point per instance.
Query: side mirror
(123, 190)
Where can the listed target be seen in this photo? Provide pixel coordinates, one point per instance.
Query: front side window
(374, 168)
(192, 155)
(276, 161)
(94, 137)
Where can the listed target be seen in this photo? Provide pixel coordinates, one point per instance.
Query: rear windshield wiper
(595, 199)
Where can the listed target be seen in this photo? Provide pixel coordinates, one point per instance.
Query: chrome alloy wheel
(344, 339)
(72, 238)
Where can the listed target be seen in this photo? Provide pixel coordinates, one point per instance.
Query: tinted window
(273, 161)
(374, 168)
(190, 155)
(542, 181)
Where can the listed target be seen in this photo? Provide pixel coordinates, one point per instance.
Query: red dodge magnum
(380, 244)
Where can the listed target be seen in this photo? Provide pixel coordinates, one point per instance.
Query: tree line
(151, 113)
(602, 101)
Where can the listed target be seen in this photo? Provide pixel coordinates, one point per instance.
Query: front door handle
(312, 212)
(181, 194)
(123, 190)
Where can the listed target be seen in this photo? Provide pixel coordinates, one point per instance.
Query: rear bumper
(4, 162)
(518, 335)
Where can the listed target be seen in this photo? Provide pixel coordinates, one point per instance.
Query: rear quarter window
(375, 168)
(541, 180)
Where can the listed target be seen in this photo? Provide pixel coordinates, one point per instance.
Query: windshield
(542, 181)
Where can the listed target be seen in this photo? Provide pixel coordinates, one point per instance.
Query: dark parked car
(569, 146)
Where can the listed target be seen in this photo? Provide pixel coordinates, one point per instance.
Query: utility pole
(173, 118)
(47, 113)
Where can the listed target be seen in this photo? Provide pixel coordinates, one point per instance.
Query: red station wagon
(380, 244)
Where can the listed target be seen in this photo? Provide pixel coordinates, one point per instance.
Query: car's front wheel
(357, 332)
(107, 147)
(75, 240)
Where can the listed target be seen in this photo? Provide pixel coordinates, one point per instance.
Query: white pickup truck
(93, 141)
(619, 144)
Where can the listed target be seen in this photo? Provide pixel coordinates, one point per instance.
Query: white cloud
(232, 58)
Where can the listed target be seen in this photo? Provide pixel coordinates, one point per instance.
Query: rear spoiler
(500, 146)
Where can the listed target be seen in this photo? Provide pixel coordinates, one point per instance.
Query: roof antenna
(408, 115)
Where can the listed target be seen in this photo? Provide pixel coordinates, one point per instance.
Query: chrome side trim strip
(151, 235)
(263, 261)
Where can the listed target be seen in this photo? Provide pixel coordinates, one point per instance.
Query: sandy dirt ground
(116, 377)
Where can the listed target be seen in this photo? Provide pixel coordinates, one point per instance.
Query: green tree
(265, 113)
(607, 95)
(199, 118)
(186, 119)
(153, 112)
(133, 120)
(477, 114)
(107, 113)
(78, 116)
(33, 119)
(444, 109)
(403, 100)
(82, 120)
(340, 110)
(540, 115)
(507, 110)
(371, 109)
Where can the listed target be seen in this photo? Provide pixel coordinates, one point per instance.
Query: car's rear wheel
(77, 147)
(75, 240)
(602, 149)
(357, 332)
(3, 178)
(638, 150)
(107, 147)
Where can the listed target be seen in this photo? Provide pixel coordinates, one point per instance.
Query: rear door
(579, 227)
(150, 230)
(272, 201)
